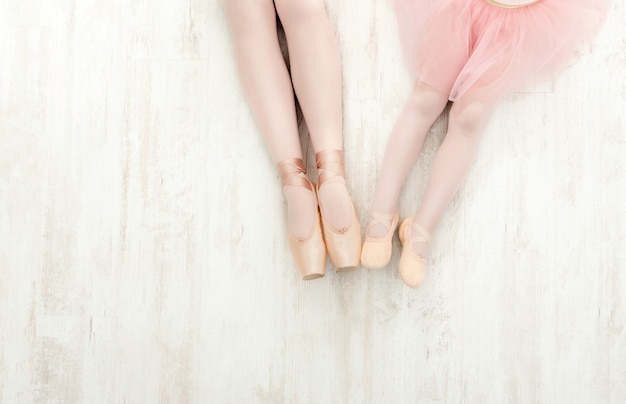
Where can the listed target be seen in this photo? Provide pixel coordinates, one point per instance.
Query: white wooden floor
(143, 257)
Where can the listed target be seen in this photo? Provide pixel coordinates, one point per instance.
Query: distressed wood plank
(143, 252)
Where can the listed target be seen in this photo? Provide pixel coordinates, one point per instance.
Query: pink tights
(468, 118)
(269, 88)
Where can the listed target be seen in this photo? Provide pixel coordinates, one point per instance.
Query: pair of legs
(453, 160)
(267, 84)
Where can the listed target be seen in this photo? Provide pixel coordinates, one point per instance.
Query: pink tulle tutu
(474, 48)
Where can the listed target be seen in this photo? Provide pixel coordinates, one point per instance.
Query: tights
(316, 79)
(453, 160)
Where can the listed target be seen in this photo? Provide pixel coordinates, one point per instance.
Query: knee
(427, 102)
(469, 119)
(298, 11)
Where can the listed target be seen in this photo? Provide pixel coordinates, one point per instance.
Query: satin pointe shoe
(343, 245)
(376, 251)
(412, 265)
(308, 253)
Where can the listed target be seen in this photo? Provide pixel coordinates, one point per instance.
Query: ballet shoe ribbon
(293, 173)
(330, 166)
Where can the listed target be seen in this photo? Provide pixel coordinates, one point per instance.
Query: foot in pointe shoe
(308, 252)
(343, 244)
(376, 251)
(412, 265)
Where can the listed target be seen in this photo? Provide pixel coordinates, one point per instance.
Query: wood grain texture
(143, 256)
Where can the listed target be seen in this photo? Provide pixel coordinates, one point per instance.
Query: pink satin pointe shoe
(309, 253)
(412, 265)
(343, 245)
(376, 251)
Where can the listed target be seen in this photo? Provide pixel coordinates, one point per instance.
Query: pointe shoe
(412, 266)
(343, 245)
(309, 253)
(376, 251)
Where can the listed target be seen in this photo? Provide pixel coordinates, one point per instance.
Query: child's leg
(316, 76)
(405, 143)
(453, 161)
(267, 86)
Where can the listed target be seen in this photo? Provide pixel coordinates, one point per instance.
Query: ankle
(300, 196)
(419, 239)
(426, 225)
(293, 173)
(330, 167)
(380, 224)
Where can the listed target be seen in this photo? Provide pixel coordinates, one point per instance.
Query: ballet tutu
(474, 48)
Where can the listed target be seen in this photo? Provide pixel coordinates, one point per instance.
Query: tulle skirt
(474, 48)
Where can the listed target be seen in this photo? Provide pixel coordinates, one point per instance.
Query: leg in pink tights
(423, 106)
(315, 69)
(263, 75)
(452, 163)
(267, 86)
(316, 76)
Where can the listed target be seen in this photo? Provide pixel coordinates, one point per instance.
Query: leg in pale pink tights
(267, 86)
(405, 143)
(263, 75)
(315, 69)
(452, 163)
(316, 76)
